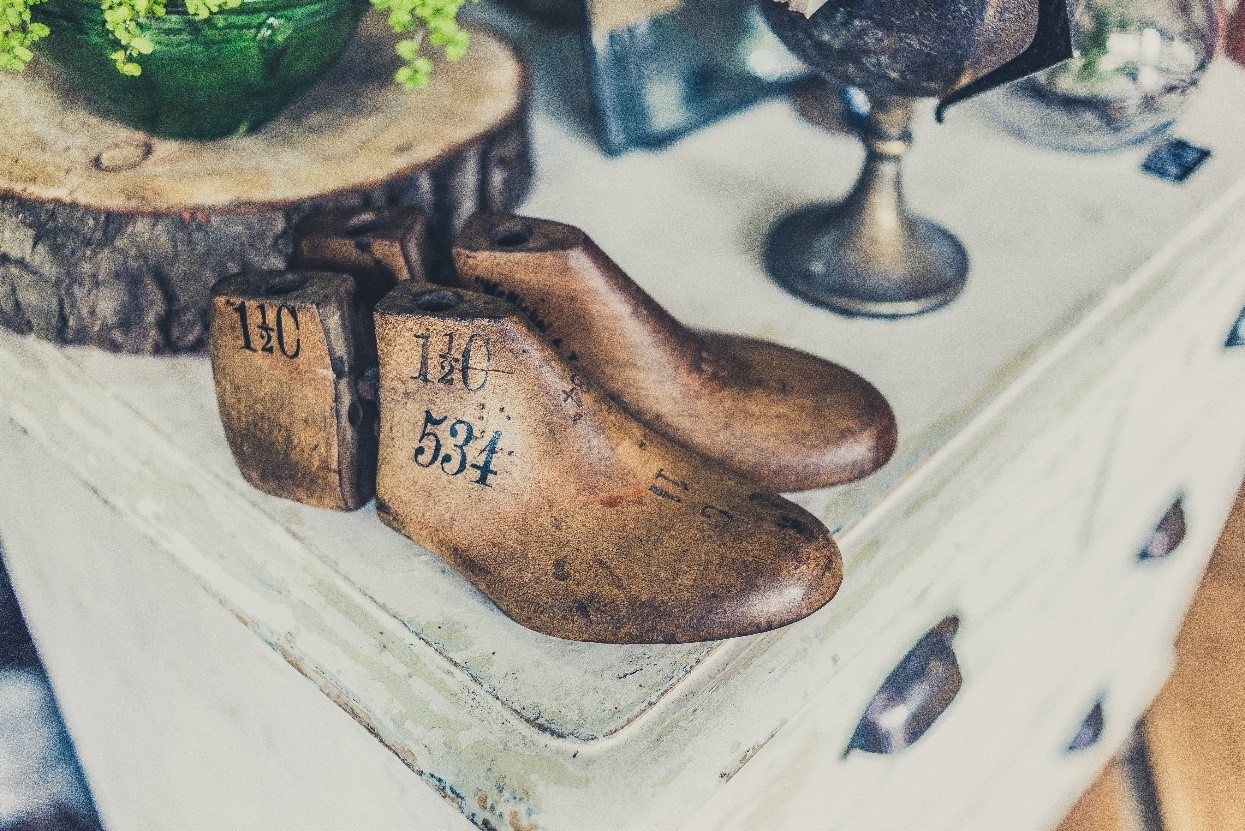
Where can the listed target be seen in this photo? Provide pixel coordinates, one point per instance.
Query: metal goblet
(867, 255)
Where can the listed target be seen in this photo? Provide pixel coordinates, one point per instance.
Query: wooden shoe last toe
(784, 418)
(572, 517)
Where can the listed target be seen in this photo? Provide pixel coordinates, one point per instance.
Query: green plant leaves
(203, 9)
(18, 33)
(436, 22)
(124, 19)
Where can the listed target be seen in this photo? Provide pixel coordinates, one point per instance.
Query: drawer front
(1125, 668)
(1108, 639)
(998, 559)
(1189, 383)
(1029, 532)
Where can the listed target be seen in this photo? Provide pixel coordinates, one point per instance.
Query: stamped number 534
(452, 452)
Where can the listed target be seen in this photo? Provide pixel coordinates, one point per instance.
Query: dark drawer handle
(913, 696)
(1236, 337)
(1090, 731)
(1167, 535)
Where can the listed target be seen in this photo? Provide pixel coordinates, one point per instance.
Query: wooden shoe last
(289, 353)
(378, 246)
(294, 354)
(784, 418)
(572, 517)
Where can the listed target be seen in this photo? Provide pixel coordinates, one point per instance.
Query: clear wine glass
(1138, 62)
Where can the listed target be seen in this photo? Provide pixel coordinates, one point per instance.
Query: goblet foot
(823, 254)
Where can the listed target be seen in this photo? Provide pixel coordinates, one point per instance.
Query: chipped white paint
(1047, 420)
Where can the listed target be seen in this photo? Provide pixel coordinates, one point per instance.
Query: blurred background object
(657, 70)
(832, 106)
(1184, 769)
(660, 77)
(1138, 62)
(553, 12)
(41, 783)
(1235, 41)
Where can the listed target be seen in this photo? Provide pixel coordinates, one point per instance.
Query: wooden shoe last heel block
(572, 517)
(784, 418)
(377, 246)
(289, 354)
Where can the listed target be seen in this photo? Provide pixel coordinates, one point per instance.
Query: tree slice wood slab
(112, 238)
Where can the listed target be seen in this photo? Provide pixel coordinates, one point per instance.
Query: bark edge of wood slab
(573, 518)
(113, 239)
(782, 417)
(290, 351)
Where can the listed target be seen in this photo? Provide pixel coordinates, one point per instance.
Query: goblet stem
(875, 208)
(867, 255)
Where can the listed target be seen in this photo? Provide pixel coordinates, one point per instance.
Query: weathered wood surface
(210, 691)
(1046, 424)
(111, 238)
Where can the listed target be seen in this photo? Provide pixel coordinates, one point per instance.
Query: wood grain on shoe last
(572, 517)
(289, 355)
(785, 418)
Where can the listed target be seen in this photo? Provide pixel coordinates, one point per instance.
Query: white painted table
(227, 660)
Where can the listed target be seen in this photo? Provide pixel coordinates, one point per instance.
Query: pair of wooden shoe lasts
(597, 470)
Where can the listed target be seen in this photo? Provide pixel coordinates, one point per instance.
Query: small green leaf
(18, 34)
(122, 18)
(434, 21)
(407, 49)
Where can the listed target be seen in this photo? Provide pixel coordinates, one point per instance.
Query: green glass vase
(206, 79)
